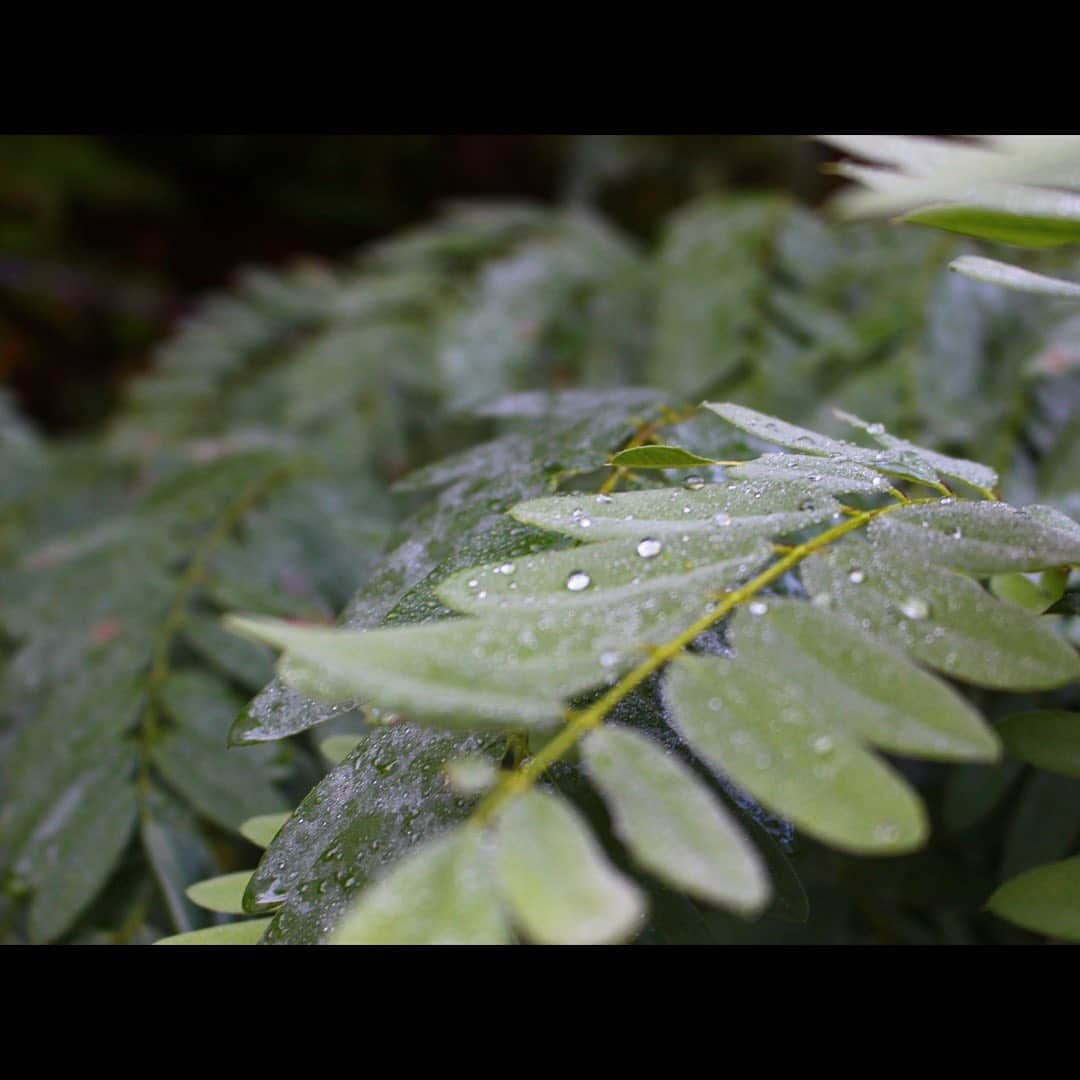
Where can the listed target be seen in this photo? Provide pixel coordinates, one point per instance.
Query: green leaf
(758, 509)
(770, 429)
(251, 665)
(658, 457)
(509, 668)
(835, 476)
(70, 855)
(245, 932)
(1045, 900)
(903, 460)
(940, 618)
(442, 894)
(869, 689)
(388, 795)
(178, 854)
(556, 880)
(1010, 214)
(618, 571)
(451, 671)
(790, 755)
(1049, 740)
(671, 823)
(1044, 824)
(712, 270)
(972, 473)
(228, 786)
(338, 747)
(974, 792)
(1014, 277)
(224, 894)
(976, 538)
(262, 828)
(1036, 596)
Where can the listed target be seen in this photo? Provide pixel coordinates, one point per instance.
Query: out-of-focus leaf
(671, 823)
(1048, 740)
(243, 932)
(442, 894)
(1014, 277)
(557, 882)
(1045, 900)
(224, 894)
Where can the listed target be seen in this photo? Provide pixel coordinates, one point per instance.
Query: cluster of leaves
(250, 471)
(1022, 190)
(785, 705)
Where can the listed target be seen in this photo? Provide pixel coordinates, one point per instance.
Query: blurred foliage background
(107, 241)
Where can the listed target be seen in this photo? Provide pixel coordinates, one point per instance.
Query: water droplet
(946, 502)
(856, 577)
(576, 513)
(585, 523)
(609, 659)
(822, 744)
(686, 509)
(722, 519)
(648, 548)
(957, 534)
(481, 595)
(758, 607)
(473, 583)
(876, 429)
(506, 568)
(694, 483)
(578, 581)
(604, 499)
(880, 483)
(915, 607)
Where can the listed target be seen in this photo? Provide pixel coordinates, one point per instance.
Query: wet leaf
(940, 618)
(442, 894)
(671, 823)
(869, 689)
(759, 509)
(976, 538)
(559, 886)
(658, 457)
(791, 756)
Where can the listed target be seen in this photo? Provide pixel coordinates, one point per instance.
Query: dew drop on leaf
(915, 608)
(649, 548)
(578, 581)
(694, 483)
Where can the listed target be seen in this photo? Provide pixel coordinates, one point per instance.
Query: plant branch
(581, 722)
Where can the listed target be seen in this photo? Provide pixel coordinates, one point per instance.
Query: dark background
(105, 241)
